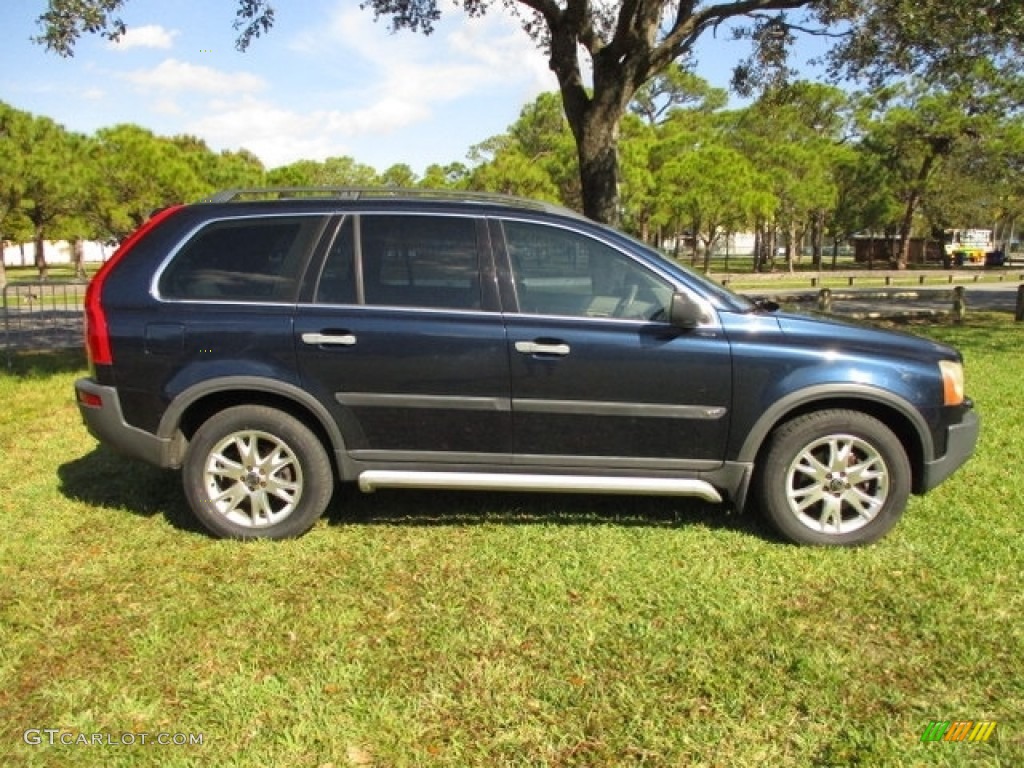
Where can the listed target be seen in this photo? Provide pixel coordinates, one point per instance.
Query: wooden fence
(892, 303)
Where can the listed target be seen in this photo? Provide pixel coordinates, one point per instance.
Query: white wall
(57, 252)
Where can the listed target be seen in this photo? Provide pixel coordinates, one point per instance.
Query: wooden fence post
(825, 300)
(959, 304)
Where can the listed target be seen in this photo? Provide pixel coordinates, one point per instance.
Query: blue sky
(325, 81)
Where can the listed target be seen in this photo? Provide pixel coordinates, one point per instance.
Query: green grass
(439, 629)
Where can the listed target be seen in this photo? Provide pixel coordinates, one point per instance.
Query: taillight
(97, 337)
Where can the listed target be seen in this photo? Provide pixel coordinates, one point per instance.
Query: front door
(599, 377)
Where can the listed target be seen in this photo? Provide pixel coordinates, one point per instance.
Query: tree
(792, 134)
(54, 180)
(864, 199)
(135, 173)
(716, 191)
(224, 170)
(451, 176)
(534, 159)
(398, 175)
(917, 136)
(624, 44)
(15, 128)
(677, 88)
(332, 172)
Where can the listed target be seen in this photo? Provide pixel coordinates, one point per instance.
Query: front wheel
(834, 477)
(256, 472)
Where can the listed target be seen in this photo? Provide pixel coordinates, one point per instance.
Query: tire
(279, 493)
(834, 477)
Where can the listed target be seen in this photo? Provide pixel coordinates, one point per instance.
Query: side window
(420, 261)
(242, 260)
(337, 284)
(560, 272)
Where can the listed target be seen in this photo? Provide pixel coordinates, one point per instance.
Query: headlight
(952, 382)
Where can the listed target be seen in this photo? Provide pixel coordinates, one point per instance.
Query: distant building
(882, 250)
(56, 251)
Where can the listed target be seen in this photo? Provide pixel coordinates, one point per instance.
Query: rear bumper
(960, 441)
(101, 411)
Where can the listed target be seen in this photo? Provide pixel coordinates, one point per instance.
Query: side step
(373, 479)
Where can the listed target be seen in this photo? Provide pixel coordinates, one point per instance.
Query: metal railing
(42, 315)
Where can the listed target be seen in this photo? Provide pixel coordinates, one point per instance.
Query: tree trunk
(593, 116)
(40, 255)
(78, 257)
(597, 150)
(758, 247)
(817, 238)
(913, 200)
(793, 246)
(3, 267)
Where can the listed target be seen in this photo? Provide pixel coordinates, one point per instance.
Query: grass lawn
(439, 629)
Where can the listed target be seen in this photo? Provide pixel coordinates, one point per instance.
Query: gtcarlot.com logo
(958, 730)
(58, 736)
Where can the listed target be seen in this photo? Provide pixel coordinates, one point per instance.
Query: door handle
(330, 339)
(540, 348)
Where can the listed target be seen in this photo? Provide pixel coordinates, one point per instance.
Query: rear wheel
(256, 472)
(834, 477)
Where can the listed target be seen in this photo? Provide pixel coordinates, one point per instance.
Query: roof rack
(370, 193)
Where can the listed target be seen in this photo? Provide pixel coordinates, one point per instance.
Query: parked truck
(971, 248)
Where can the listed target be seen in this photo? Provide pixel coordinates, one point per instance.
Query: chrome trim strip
(565, 464)
(602, 408)
(572, 407)
(616, 463)
(444, 402)
(373, 479)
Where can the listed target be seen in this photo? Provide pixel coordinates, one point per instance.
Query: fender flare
(171, 418)
(824, 393)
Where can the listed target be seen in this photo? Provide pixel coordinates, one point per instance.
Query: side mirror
(685, 312)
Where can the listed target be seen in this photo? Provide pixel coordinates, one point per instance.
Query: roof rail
(363, 193)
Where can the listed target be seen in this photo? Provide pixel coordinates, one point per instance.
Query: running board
(373, 479)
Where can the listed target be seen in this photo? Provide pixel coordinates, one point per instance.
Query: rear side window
(404, 261)
(242, 260)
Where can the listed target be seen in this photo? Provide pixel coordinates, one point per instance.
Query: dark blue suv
(271, 343)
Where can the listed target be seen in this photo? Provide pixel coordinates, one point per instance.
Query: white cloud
(360, 90)
(174, 75)
(500, 47)
(277, 136)
(147, 36)
(463, 57)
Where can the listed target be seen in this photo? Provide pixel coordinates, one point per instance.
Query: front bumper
(960, 441)
(101, 411)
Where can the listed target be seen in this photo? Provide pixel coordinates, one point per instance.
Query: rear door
(599, 378)
(401, 337)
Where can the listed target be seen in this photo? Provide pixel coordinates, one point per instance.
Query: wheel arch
(197, 403)
(898, 415)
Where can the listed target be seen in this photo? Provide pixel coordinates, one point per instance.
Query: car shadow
(105, 479)
(457, 508)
